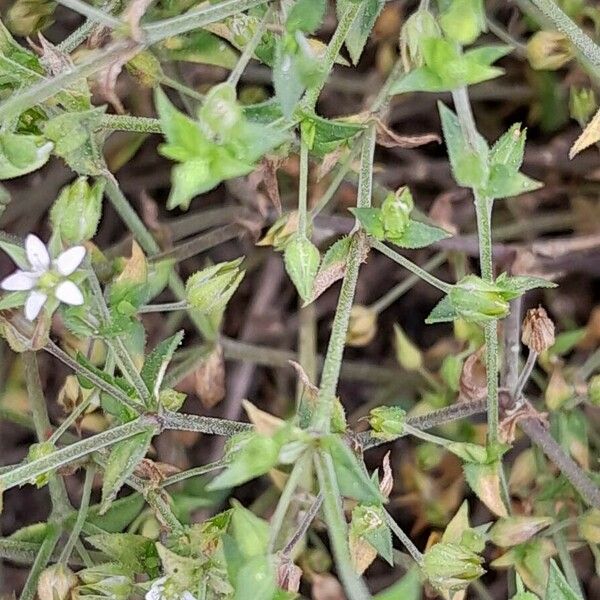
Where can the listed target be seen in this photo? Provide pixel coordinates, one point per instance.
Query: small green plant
(85, 303)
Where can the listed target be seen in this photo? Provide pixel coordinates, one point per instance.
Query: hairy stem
(538, 434)
(588, 48)
(337, 340)
(337, 528)
(58, 492)
(408, 264)
(331, 54)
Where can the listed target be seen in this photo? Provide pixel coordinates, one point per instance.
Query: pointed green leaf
(124, 458)
(135, 552)
(351, 475)
(558, 588)
(158, 360)
(419, 235)
(302, 260)
(442, 312)
(371, 221)
(306, 16)
(256, 457)
(468, 158)
(362, 26)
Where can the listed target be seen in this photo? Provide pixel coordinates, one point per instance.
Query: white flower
(46, 277)
(158, 591)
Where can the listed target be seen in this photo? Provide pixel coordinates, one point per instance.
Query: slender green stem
(404, 286)
(196, 19)
(588, 48)
(406, 541)
(212, 425)
(483, 209)
(408, 264)
(249, 49)
(165, 307)
(44, 89)
(111, 390)
(567, 563)
(41, 421)
(337, 528)
(92, 13)
(178, 477)
(41, 560)
(303, 189)
(293, 480)
(81, 515)
(332, 52)
(129, 123)
(22, 473)
(337, 340)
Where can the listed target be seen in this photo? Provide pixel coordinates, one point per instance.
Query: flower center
(48, 281)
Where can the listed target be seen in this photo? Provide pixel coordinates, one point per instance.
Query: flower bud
(512, 531)
(477, 300)
(26, 17)
(463, 20)
(395, 212)
(419, 26)
(582, 104)
(56, 583)
(588, 526)
(549, 50)
(109, 580)
(171, 399)
(407, 354)
(451, 567)
(281, 232)
(146, 69)
(211, 289)
(594, 390)
(37, 451)
(362, 326)
(220, 110)
(538, 330)
(387, 422)
(76, 213)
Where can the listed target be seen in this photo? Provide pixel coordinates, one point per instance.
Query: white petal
(19, 281)
(34, 304)
(69, 260)
(157, 589)
(188, 596)
(37, 254)
(69, 293)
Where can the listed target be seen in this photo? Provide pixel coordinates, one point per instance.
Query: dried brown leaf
(105, 80)
(390, 139)
(309, 386)
(387, 481)
(326, 587)
(132, 16)
(209, 378)
(589, 136)
(328, 162)
(361, 553)
(473, 380)
(264, 422)
(288, 574)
